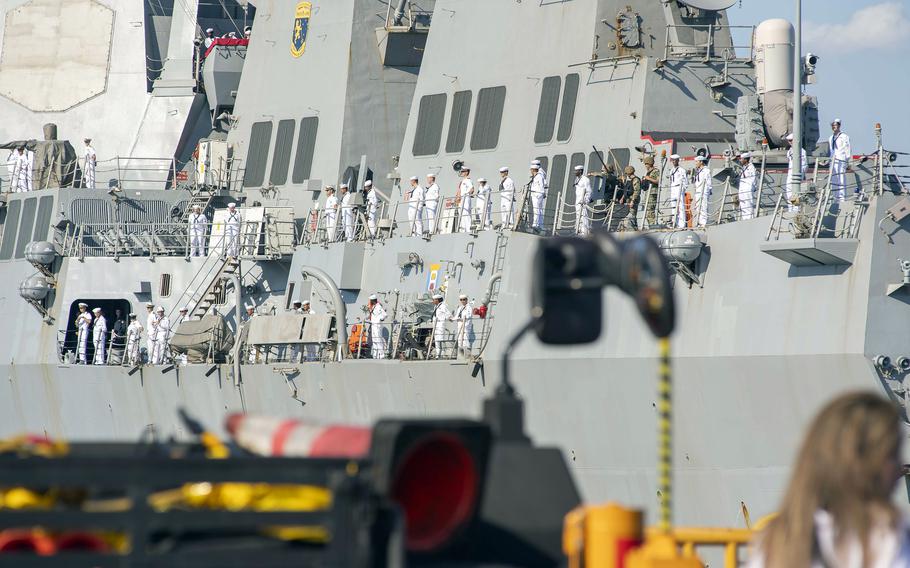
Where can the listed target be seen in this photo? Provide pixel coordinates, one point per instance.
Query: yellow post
(600, 536)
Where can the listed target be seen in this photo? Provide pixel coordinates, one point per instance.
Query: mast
(797, 101)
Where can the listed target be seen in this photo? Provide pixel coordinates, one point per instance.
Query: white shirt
(507, 188)
(209, 41)
(150, 323)
(233, 219)
(464, 316)
(377, 314)
(373, 199)
(703, 183)
(805, 163)
(197, 222)
(440, 314)
(679, 182)
(431, 195)
(331, 204)
(84, 320)
(100, 326)
(466, 187)
(839, 147)
(346, 202)
(483, 191)
(747, 178)
(415, 197)
(537, 184)
(90, 156)
(582, 190)
(134, 330)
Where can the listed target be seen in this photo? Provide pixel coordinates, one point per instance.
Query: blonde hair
(841, 468)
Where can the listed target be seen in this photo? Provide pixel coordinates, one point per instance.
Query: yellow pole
(664, 437)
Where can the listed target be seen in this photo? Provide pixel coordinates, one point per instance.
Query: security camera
(809, 63)
(811, 60)
(903, 363)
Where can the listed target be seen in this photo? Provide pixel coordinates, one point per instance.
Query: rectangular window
(556, 178)
(289, 297)
(567, 112)
(306, 146)
(284, 139)
(544, 163)
(619, 158)
(29, 208)
(257, 154)
(488, 118)
(43, 221)
(9, 229)
(597, 183)
(164, 286)
(458, 121)
(428, 132)
(546, 112)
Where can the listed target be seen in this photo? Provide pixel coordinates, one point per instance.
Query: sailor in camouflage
(582, 198)
(651, 184)
(631, 194)
(506, 197)
(746, 187)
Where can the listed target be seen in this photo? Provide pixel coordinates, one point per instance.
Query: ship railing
(269, 239)
(322, 226)
(75, 347)
(408, 18)
(419, 340)
(710, 48)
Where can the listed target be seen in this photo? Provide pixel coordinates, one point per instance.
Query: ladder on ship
(499, 260)
(202, 196)
(207, 285)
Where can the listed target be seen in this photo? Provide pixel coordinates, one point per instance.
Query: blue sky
(864, 67)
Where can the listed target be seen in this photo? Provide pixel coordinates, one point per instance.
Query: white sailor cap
(147, 305)
(132, 316)
(462, 296)
(184, 309)
(296, 302)
(535, 162)
(96, 310)
(431, 175)
(414, 178)
(159, 309)
(503, 170)
(437, 296)
(330, 188)
(465, 168)
(481, 180)
(248, 29)
(83, 305)
(343, 186)
(790, 137)
(534, 166)
(231, 205)
(249, 307)
(197, 206)
(367, 183)
(674, 156)
(579, 168)
(701, 159)
(373, 297)
(209, 30)
(306, 302)
(745, 155)
(837, 120)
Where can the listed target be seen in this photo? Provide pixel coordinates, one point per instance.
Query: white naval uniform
(347, 216)
(151, 323)
(232, 233)
(331, 217)
(746, 189)
(485, 205)
(99, 338)
(83, 322)
(464, 338)
(703, 189)
(804, 167)
(538, 194)
(197, 234)
(208, 42)
(840, 154)
(372, 209)
(88, 172)
(679, 183)
(133, 333)
(379, 344)
(507, 201)
(466, 191)
(162, 336)
(440, 314)
(431, 201)
(415, 209)
(20, 170)
(582, 198)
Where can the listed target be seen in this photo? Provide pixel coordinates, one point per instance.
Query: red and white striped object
(268, 436)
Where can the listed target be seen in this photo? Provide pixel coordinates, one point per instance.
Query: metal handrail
(671, 53)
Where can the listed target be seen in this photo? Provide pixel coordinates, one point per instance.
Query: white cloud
(880, 26)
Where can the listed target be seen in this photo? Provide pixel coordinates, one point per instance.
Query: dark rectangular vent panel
(488, 118)
(9, 229)
(428, 133)
(29, 209)
(256, 156)
(567, 112)
(284, 140)
(556, 178)
(577, 159)
(458, 122)
(43, 220)
(546, 112)
(306, 146)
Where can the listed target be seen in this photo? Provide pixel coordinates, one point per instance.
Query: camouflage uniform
(632, 194)
(651, 185)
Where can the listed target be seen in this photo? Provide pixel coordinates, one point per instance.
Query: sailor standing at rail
(209, 38)
(506, 197)
(543, 172)
(372, 206)
(679, 183)
(465, 196)
(537, 190)
(484, 204)
(431, 201)
(440, 314)
(703, 188)
(746, 187)
(631, 194)
(377, 331)
(83, 322)
(840, 154)
(347, 213)
(414, 198)
(582, 198)
(19, 163)
(465, 326)
(791, 176)
(151, 321)
(99, 337)
(133, 333)
(90, 161)
(331, 213)
(651, 185)
(162, 336)
(197, 222)
(232, 231)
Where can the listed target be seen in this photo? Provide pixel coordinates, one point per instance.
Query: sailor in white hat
(183, 315)
(330, 214)
(506, 198)
(679, 184)
(232, 225)
(247, 32)
(792, 175)
(162, 334)
(347, 213)
(484, 203)
(372, 199)
(464, 333)
(133, 334)
(543, 172)
(746, 189)
(537, 191)
(378, 332)
(99, 337)
(703, 189)
(582, 198)
(431, 202)
(465, 197)
(441, 313)
(415, 199)
(151, 320)
(209, 37)
(90, 161)
(83, 323)
(20, 165)
(840, 153)
(197, 222)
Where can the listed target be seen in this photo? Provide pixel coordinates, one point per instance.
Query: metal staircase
(499, 260)
(203, 290)
(201, 196)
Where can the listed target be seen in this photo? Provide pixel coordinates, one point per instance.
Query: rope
(664, 436)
